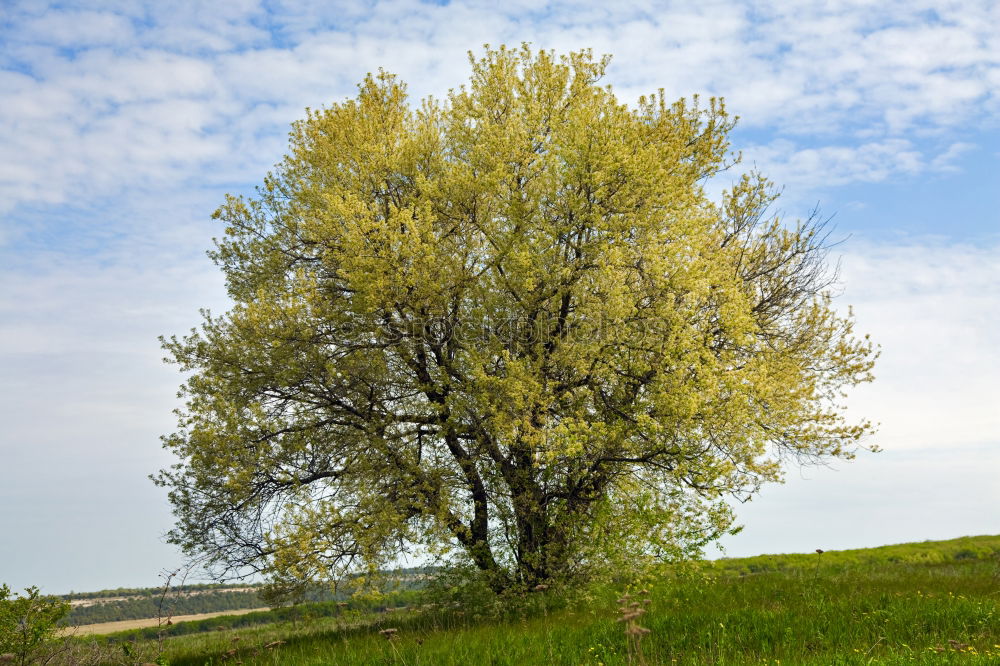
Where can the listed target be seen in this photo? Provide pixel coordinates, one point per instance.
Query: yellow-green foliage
(509, 322)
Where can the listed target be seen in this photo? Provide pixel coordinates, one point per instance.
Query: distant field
(143, 603)
(125, 625)
(926, 603)
(145, 593)
(122, 604)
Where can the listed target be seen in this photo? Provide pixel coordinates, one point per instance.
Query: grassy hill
(923, 552)
(138, 603)
(920, 603)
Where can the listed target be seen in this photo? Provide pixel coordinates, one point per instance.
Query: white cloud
(945, 162)
(817, 68)
(833, 166)
(79, 29)
(933, 308)
(808, 171)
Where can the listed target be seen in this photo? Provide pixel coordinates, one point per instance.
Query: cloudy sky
(123, 123)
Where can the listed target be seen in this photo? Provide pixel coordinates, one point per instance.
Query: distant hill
(139, 603)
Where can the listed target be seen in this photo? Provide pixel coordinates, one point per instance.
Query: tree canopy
(509, 326)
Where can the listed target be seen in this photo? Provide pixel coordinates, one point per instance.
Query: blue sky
(123, 123)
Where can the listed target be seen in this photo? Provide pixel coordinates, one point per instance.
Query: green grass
(892, 605)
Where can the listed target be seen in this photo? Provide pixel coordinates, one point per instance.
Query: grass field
(925, 603)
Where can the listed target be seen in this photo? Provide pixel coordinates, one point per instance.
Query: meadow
(921, 603)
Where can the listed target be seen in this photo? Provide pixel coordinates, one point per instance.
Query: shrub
(27, 622)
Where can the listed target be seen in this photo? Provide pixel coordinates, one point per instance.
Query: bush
(27, 622)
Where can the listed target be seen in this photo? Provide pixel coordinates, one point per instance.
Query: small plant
(27, 623)
(630, 612)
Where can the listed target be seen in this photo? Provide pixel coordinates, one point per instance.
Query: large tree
(509, 325)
